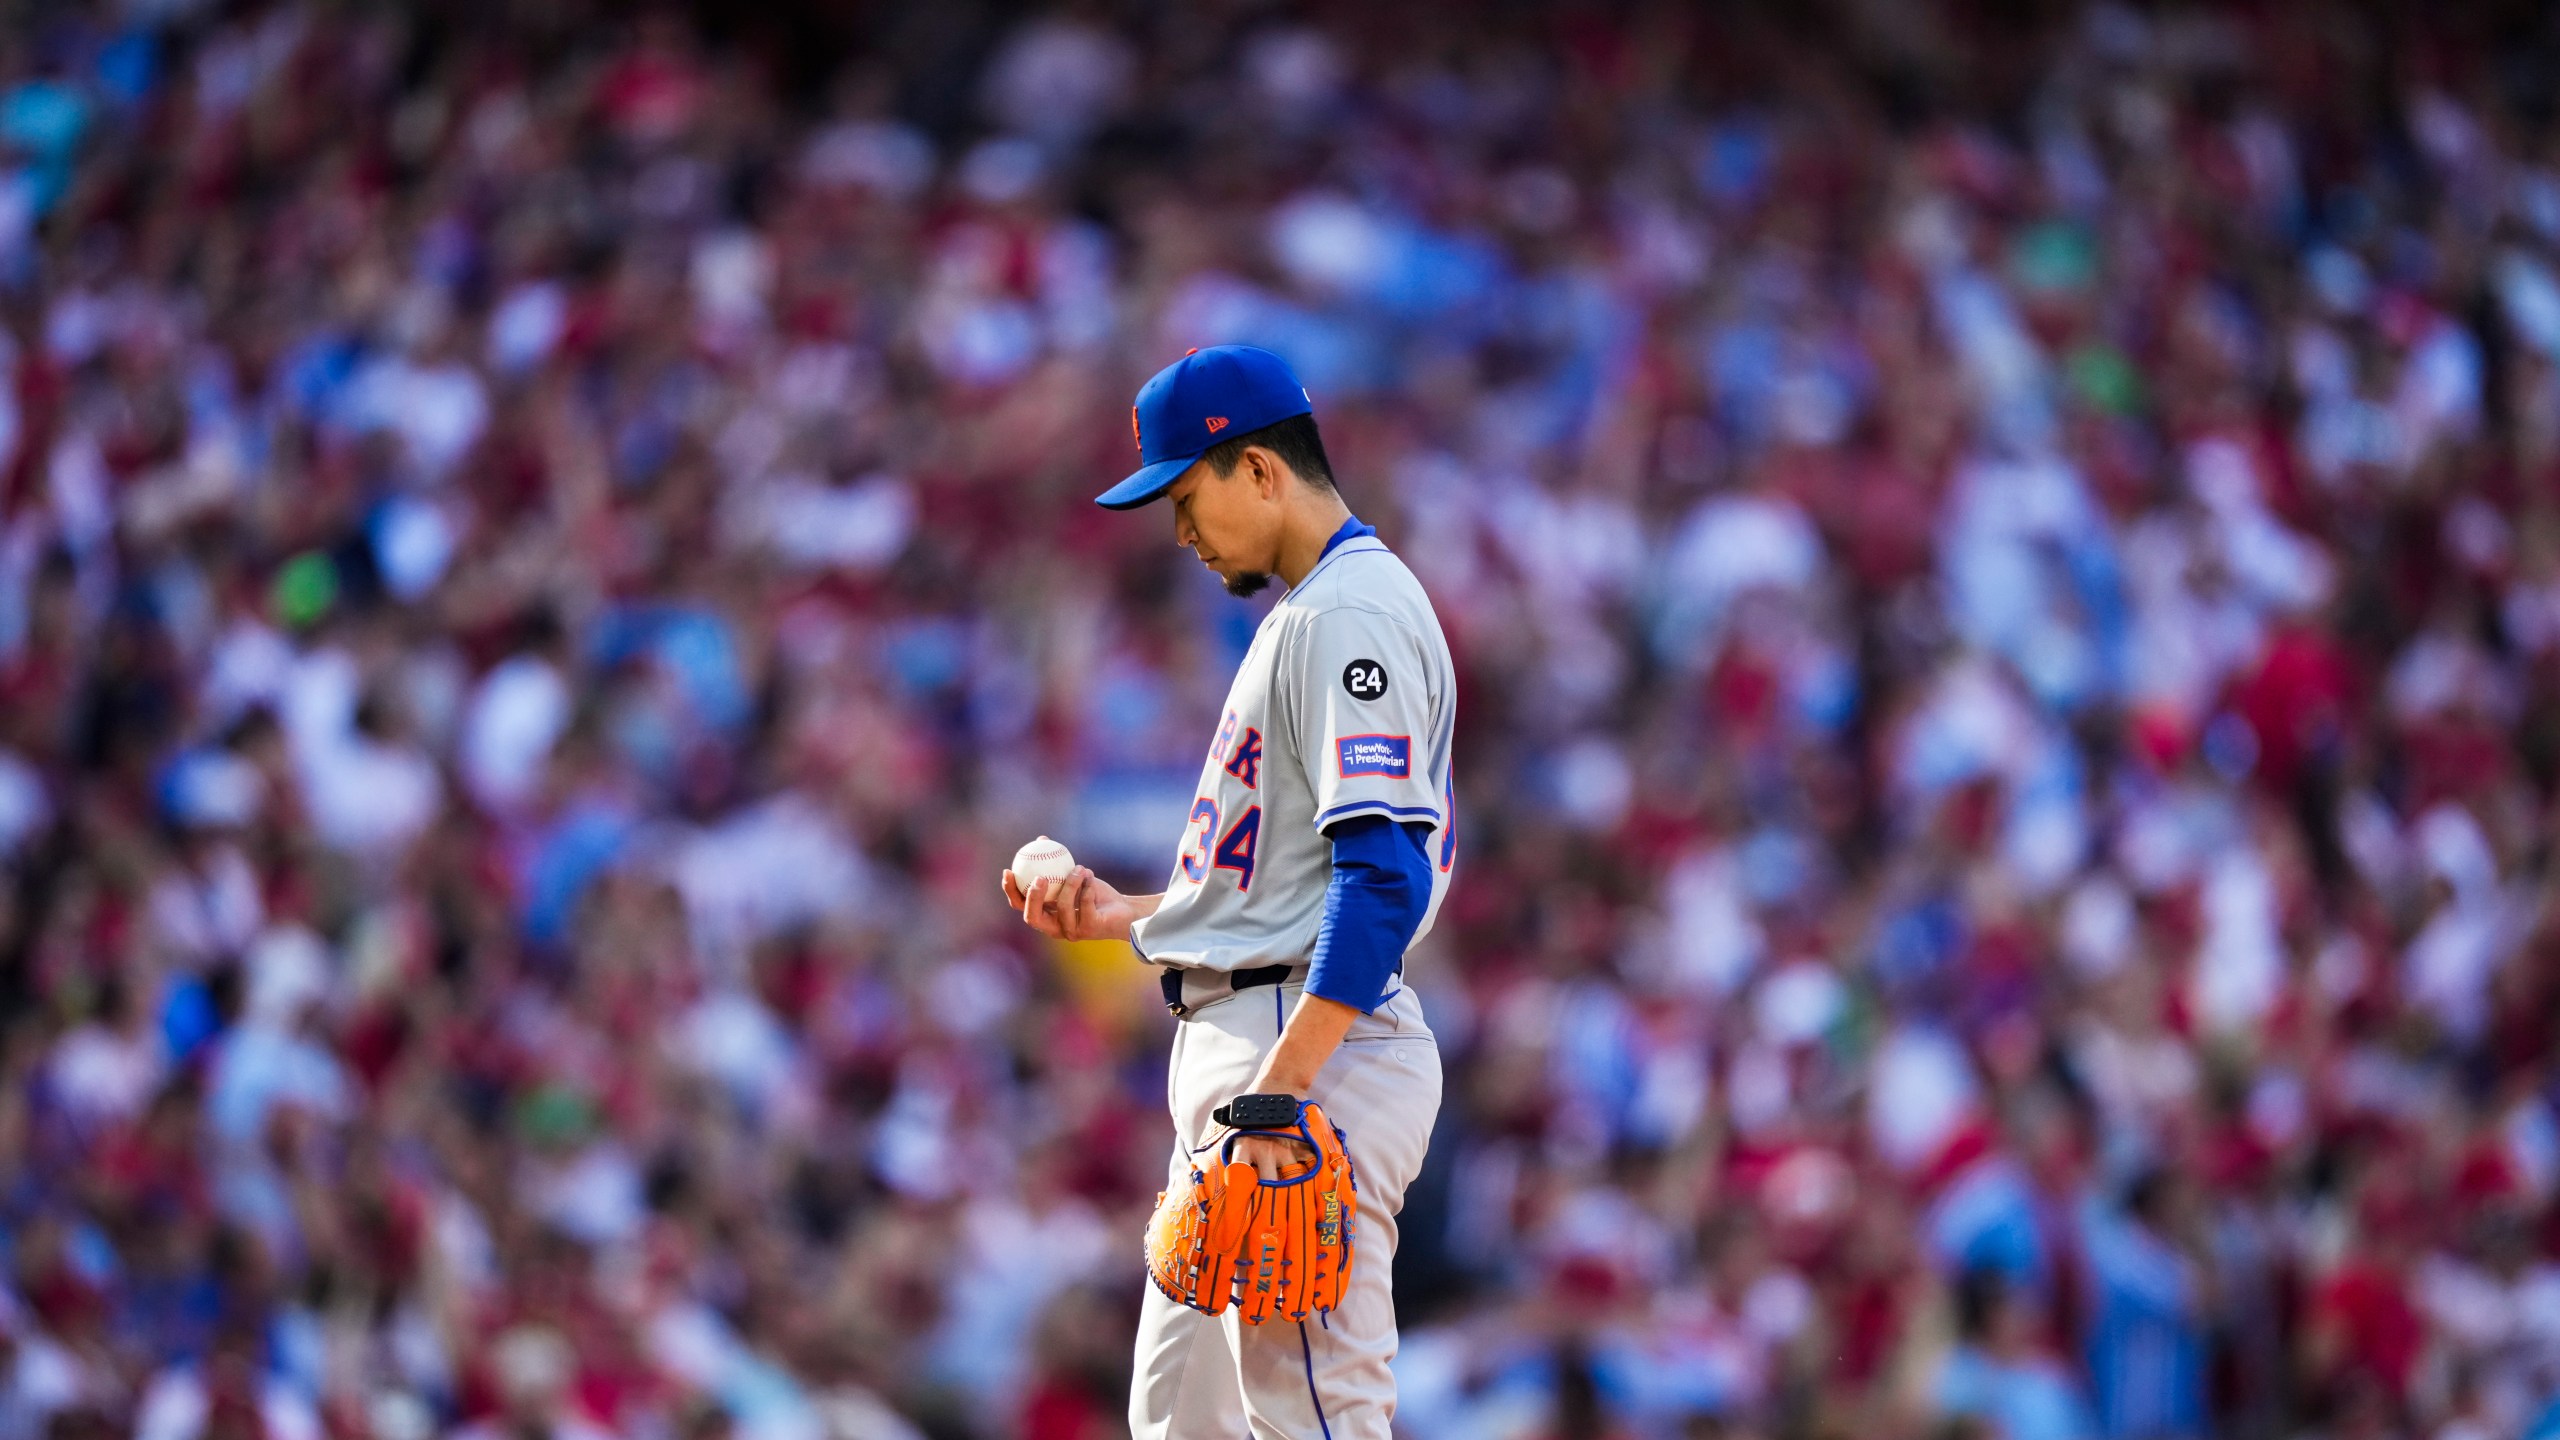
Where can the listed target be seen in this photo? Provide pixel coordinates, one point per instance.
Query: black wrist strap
(1257, 1112)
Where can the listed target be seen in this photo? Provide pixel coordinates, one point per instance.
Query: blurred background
(2004, 560)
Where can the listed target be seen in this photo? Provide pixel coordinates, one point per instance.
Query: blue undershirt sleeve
(1374, 903)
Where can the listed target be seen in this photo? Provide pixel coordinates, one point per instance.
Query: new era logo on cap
(1191, 402)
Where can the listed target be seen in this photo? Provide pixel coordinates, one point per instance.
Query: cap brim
(1150, 482)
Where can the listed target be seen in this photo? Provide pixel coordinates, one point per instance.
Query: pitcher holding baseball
(1303, 1081)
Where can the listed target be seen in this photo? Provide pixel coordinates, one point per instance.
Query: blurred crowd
(2004, 561)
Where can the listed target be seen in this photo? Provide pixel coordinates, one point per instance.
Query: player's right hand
(1081, 907)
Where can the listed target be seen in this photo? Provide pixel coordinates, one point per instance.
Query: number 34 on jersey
(1207, 848)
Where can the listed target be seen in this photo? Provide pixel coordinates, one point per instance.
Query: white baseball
(1042, 859)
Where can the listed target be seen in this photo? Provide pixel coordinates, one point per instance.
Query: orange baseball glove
(1297, 1240)
(1274, 1247)
(1197, 1232)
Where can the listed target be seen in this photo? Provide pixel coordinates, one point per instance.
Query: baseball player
(1315, 854)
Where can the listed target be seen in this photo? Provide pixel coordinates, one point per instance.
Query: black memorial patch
(1364, 679)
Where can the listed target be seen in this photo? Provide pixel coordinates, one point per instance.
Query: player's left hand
(1275, 1157)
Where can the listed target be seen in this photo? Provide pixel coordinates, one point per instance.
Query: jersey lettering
(1246, 763)
(1235, 852)
(1226, 732)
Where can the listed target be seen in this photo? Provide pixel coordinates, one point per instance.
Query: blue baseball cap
(1206, 397)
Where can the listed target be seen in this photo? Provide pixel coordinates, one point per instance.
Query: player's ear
(1266, 471)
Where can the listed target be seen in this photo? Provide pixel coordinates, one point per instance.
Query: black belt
(1245, 979)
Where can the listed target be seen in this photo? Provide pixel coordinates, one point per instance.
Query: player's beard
(1246, 584)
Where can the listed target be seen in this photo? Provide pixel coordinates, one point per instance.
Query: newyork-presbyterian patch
(1388, 755)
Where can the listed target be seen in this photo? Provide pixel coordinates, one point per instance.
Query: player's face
(1231, 521)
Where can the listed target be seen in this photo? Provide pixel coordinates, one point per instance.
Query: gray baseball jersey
(1345, 705)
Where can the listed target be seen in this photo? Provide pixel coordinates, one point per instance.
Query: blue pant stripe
(1308, 1354)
